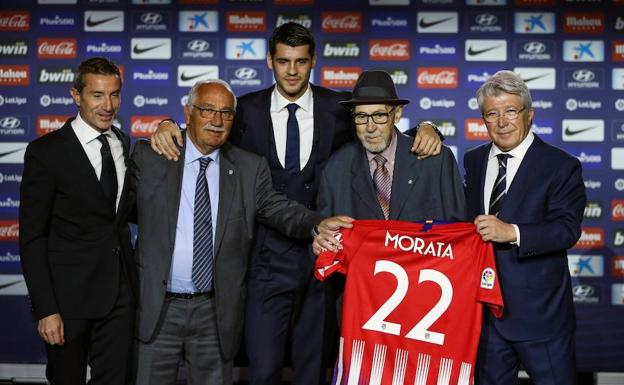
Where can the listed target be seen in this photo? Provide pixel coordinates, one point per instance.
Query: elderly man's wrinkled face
(508, 122)
(374, 124)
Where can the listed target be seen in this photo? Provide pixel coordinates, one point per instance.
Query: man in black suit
(74, 238)
(296, 126)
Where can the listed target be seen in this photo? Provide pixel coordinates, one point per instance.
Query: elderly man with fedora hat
(377, 177)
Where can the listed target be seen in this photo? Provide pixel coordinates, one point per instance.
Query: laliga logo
(45, 100)
(9, 122)
(619, 104)
(425, 103)
(139, 100)
(473, 104)
(246, 73)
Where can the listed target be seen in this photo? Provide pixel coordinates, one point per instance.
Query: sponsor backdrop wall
(571, 54)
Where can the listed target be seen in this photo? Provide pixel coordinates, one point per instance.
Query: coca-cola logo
(144, 126)
(617, 210)
(389, 50)
(56, 48)
(437, 77)
(342, 22)
(14, 21)
(9, 231)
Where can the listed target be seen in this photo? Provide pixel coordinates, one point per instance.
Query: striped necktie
(500, 185)
(383, 184)
(202, 232)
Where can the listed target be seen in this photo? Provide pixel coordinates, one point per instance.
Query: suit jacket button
(308, 186)
(116, 250)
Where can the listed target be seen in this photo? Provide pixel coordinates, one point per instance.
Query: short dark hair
(95, 65)
(293, 35)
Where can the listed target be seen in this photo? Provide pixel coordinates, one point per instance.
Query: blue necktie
(202, 232)
(108, 176)
(498, 191)
(292, 140)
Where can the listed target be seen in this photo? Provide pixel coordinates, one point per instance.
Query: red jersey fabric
(413, 302)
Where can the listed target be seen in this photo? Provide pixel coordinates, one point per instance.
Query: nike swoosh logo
(473, 52)
(95, 23)
(186, 78)
(4, 286)
(534, 78)
(427, 24)
(3, 154)
(139, 51)
(570, 132)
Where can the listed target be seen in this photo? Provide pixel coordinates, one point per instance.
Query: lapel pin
(410, 181)
(230, 172)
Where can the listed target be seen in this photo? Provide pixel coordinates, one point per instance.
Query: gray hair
(506, 82)
(193, 92)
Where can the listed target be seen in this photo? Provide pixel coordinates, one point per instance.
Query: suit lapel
(227, 186)
(520, 184)
(406, 172)
(479, 176)
(323, 122)
(175, 171)
(362, 185)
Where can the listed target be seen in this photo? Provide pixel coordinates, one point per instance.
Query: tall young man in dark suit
(196, 223)
(295, 126)
(527, 197)
(74, 238)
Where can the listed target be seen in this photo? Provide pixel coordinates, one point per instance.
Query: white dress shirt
(305, 119)
(513, 164)
(87, 136)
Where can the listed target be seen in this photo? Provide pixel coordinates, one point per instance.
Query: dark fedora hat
(374, 87)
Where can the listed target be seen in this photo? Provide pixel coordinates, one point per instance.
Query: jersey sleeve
(328, 262)
(489, 292)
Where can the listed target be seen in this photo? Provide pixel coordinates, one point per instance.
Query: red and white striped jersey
(413, 302)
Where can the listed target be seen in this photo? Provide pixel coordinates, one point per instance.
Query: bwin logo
(151, 18)
(534, 47)
(486, 19)
(9, 122)
(583, 75)
(198, 45)
(246, 73)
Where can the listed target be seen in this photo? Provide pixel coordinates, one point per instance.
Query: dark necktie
(108, 176)
(383, 184)
(202, 232)
(292, 140)
(498, 191)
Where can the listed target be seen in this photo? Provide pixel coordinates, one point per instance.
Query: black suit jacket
(70, 242)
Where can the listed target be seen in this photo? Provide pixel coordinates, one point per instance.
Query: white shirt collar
(518, 152)
(86, 133)
(279, 102)
(191, 153)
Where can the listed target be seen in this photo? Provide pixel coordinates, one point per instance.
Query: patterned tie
(292, 140)
(202, 232)
(383, 184)
(498, 191)
(108, 176)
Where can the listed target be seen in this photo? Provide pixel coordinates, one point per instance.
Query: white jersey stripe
(422, 369)
(444, 374)
(464, 374)
(356, 362)
(400, 363)
(340, 364)
(379, 357)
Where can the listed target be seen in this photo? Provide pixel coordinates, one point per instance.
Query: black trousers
(103, 343)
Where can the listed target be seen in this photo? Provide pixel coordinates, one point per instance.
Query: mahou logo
(583, 22)
(618, 51)
(245, 21)
(9, 230)
(144, 126)
(617, 210)
(339, 77)
(341, 22)
(436, 77)
(14, 75)
(49, 123)
(591, 238)
(389, 50)
(53, 48)
(474, 129)
(14, 21)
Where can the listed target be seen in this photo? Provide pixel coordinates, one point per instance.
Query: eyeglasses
(378, 117)
(509, 114)
(209, 113)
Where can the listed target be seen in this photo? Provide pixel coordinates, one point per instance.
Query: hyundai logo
(151, 18)
(583, 75)
(583, 291)
(486, 19)
(198, 45)
(534, 47)
(9, 122)
(246, 73)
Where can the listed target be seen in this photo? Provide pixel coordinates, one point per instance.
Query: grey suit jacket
(421, 189)
(246, 195)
